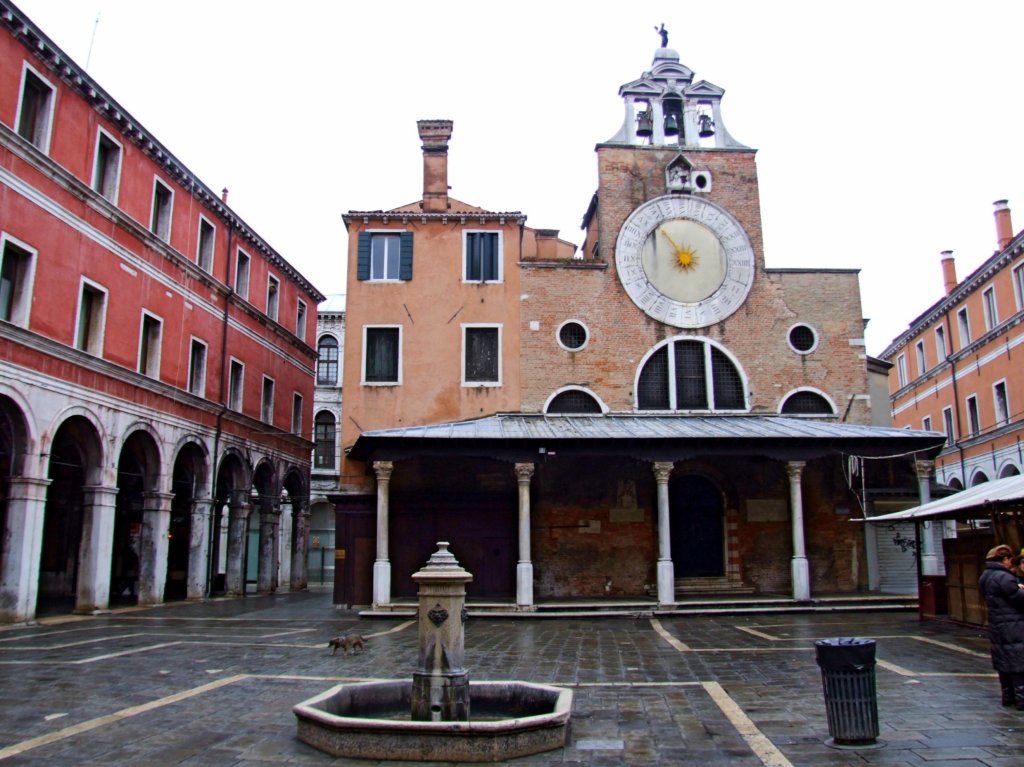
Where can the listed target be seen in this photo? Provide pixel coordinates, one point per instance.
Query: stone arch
(138, 484)
(955, 483)
(690, 373)
(187, 533)
(263, 538)
(296, 490)
(1009, 469)
(16, 438)
(232, 506)
(978, 478)
(807, 401)
(574, 399)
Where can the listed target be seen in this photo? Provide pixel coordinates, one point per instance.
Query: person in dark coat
(1004, 596)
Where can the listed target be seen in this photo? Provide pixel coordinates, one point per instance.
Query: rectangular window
(482, 257)
(207, 240)
(149, 345)
(382, 355)
(197, 368)
(327, 364)
(481, 360)
(988, 299)
(296, 413)
(242, 275)
(236, 385)
(273, 296)
(16, 262)
(300, 320)
(1001, 403)
(947, 425)
(106, 173)
(324, 434)
(901, 370)
(1018, 285)
(940, 344)
(384, 256)
(973, 421)
(267, 401)
(92, 316)
(926, 423)
(163, 204)
(964, 324)
(922, 366)
(35, 109)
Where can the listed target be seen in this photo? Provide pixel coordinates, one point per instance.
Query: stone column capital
(794, 469)
(924, 469)
(662, 470)
(524, 471)
(383, 470)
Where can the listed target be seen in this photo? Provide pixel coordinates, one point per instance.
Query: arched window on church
(690, 374)
(807, 403)
(325, 439)
(574, 402)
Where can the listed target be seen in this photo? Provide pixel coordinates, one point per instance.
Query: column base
(381, 582)
(666, 582)
(524, 584)
(801, 579)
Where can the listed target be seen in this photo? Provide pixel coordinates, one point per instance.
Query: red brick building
(657, 413)
(156, 367)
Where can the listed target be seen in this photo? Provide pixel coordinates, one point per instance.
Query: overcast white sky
(885, 129)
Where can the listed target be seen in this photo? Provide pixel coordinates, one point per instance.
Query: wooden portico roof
(521, 437)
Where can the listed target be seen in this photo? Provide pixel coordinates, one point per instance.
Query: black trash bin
(848, 681)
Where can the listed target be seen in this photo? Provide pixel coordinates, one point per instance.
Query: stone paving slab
(210, 684)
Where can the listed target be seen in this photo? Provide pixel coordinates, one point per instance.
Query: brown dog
(346, 642)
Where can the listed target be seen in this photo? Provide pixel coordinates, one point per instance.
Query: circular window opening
(803, 338)
(572, 335)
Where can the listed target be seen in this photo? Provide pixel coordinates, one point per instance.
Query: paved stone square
(214, 684)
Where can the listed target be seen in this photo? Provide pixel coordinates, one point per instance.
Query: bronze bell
(707, 126)
(671, 125)
(644, 124)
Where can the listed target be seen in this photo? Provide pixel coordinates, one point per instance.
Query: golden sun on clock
(684, 260)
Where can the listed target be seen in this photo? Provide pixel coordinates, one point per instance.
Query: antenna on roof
(92, 40)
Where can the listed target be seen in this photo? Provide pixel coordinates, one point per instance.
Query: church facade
(654, 414)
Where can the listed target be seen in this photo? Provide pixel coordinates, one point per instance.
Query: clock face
(684, 261)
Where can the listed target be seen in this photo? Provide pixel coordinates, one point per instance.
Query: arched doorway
(697, 527)
(295, 539)
(230, 521)
(261, 540)
(189, 475)
(74, 460)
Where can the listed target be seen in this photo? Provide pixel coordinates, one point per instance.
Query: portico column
(156, 521)
(300, 546)
(382, 567)
(22, 547)
(238, 525)
(666, 570)
(198, 548)
(524, 569)
(270, 518)
(96, 550)
(929, 559)
(801, 573)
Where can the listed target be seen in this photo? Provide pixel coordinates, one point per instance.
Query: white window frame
(192, 385)
(709, 381)
(922, 363)
(44, 125)
(236, 392)
(109, 172)
(267, 408)
(1018, 285)
(273, 297)
(322, 380)
(988, 302)
(296, 413)
(947, 424)
(161, 217)
(206, 260)
(95, 346)
(501, 256)
(901, 370)
(482, 325)
(362, 368)
(322, 461)
(242, 287)
(973, 415)
(21, 294)
(940, 345)
(398, 255)
(926, 423)
(300, 319)
(148, 359)
(963, 323)
(1001, 402)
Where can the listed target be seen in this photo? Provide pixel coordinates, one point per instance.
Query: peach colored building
(653, 415)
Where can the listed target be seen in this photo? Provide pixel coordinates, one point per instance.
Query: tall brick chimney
(1004, 226)
(948, 271)
(435, 135)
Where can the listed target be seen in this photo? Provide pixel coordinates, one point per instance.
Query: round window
(572, 335)
(803, 338)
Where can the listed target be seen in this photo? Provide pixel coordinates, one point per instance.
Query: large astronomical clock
(684, 261)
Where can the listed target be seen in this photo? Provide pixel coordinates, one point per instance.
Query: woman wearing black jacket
(1004, 596)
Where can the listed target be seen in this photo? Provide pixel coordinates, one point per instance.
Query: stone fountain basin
(371, 720)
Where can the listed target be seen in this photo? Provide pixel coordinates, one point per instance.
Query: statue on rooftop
(664, 35)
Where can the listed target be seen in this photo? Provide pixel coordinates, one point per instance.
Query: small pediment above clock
(704, 89)
(642, 87)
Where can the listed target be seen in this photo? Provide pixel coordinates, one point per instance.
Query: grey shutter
(363, 257)
(405, 257)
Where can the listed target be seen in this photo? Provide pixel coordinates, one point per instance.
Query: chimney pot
(948, 271)
(1004, 224)
(435, 135)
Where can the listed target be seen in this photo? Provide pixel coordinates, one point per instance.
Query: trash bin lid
(845, 653)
